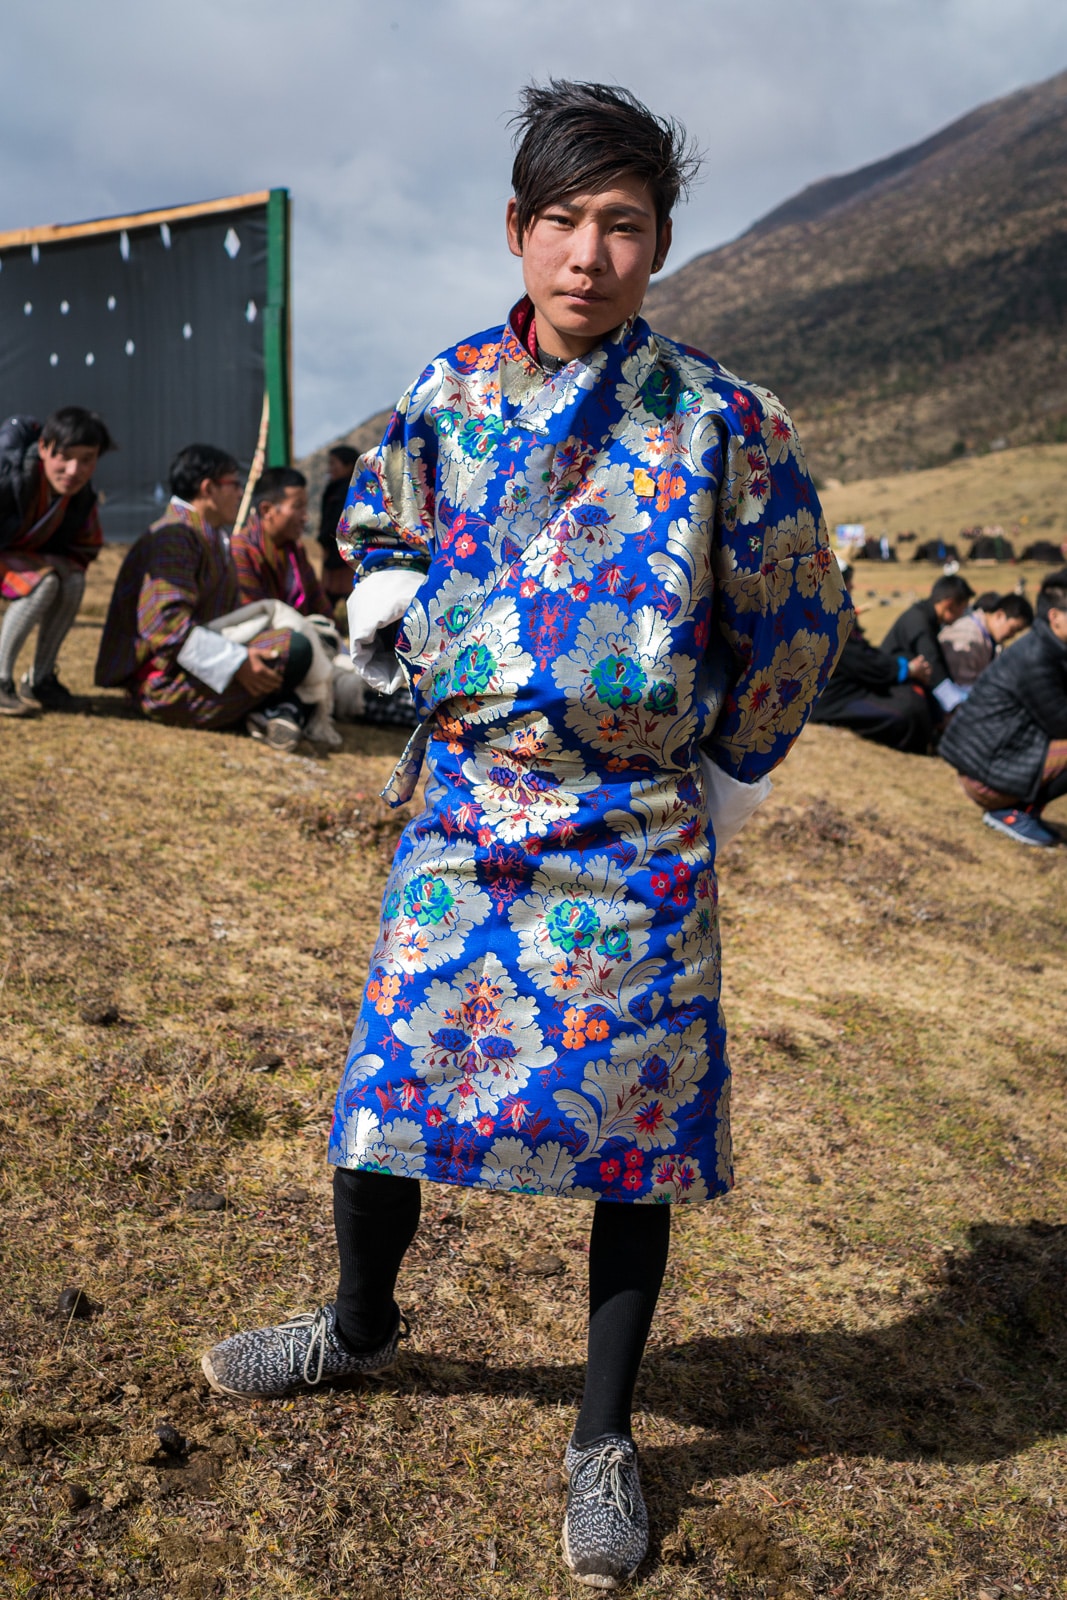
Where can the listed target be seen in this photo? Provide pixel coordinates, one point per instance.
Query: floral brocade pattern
(625, 565)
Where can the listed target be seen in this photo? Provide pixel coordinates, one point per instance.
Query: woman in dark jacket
(1008, 741)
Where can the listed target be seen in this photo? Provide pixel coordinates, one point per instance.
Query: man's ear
(663, 245)
(511, 222)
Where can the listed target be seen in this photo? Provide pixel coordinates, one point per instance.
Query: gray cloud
(388, 122)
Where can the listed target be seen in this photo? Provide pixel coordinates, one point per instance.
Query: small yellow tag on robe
(644, 483)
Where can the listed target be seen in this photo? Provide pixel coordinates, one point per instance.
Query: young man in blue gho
(602, 566)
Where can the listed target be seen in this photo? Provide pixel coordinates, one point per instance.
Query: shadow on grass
(975, 1374)
(358, 738)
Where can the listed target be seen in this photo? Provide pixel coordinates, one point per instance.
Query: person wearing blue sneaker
(1008, 741)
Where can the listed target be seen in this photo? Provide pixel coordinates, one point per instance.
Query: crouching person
(49, 533)
(179, 578)
(1008, 741)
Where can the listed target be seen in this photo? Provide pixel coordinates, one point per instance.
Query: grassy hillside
(856, 1381)
(1021, 490)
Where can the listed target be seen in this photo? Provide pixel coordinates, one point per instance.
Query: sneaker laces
(607, 1481)
(319, 1325)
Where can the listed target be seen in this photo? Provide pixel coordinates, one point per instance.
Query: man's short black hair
(988, 600)
(195, 463)
(272, 485)
(579, 138)
(345, 454)
(73, 428)
(1052, 595)
(1014, 605)
(952, 588)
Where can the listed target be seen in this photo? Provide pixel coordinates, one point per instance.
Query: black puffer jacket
(1000, 735)
(20, 467)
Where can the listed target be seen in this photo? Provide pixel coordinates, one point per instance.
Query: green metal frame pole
(276, 330)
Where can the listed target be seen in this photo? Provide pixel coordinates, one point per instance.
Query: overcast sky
(388, 123)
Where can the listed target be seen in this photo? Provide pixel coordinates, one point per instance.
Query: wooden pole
(257, 465)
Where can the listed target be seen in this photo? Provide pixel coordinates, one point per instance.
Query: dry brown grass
(856, 1381)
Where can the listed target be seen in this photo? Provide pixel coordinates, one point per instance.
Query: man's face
(949, 611)
(337, 469)
(283, 520)
(1002, 628)
(68, 468)
(220, 499)
(586, 263)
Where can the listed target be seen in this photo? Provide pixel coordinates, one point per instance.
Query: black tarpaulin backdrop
(158, 328)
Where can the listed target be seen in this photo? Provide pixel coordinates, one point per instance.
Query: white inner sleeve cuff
(378, 600)
(730, 803)
(211, 658)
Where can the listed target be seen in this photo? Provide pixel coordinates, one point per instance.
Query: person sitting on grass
(877, 695)
(49, 533)
(269, 553)
(932, 550)
(565, 536)
(1008, 741)
(915, 633)
(336, 573)
(175, 581)
(970, 643)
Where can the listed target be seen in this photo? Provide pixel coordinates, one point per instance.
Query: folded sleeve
(781, 613)
(374, 606)
(388, 519)
(211, 658)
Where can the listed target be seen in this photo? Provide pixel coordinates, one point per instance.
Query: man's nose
(590, 254)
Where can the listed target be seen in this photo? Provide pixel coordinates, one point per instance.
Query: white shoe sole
(592, 1580)
(300, 1388)
(1009, 833)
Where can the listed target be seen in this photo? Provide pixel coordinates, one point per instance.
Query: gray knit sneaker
(297, 1354)
(605, 1531)
(11, 704)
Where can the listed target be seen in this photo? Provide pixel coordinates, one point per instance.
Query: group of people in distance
(943, 680)
(181, 592)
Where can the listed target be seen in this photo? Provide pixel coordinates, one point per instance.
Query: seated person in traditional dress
(49, 533)
(269, 553)
(970, 643)
(1008, 741)
(336, 574)
(178, 578)
(876, 694)
(933, 550)
(1044, 550)
(991, 545)
(915, 632)
(876, 550)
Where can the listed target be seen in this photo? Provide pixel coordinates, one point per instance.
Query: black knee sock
(627, 1256)
(375, 1216)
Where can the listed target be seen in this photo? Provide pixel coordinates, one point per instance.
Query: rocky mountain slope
(910, 311)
